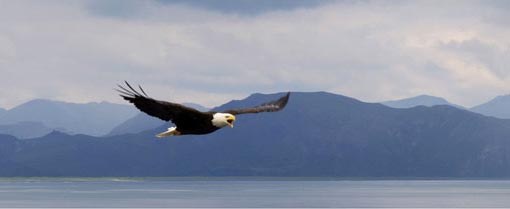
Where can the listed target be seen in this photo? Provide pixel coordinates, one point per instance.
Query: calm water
(251, 193)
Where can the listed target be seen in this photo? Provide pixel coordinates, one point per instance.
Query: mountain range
(26, 130)
(424, 100)
(39, 117)
(22, 118)
(498, 107)
(317, 134)
(93, 118)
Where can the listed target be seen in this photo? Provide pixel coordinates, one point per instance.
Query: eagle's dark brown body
(196, 124)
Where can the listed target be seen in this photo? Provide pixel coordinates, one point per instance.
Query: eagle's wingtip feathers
(284, 100)
(130, 94)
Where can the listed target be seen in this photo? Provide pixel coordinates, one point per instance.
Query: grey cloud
(249, 7)
(119, 8)
(373, 50)
(140, 9)
(495, 57)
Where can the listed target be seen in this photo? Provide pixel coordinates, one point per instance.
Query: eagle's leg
(172, 131)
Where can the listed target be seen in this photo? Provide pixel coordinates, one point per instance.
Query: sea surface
(242, 193)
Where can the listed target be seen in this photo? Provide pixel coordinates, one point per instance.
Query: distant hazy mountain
(142, 122)
(25, 130)
(90, 118)
(498, 107)
(424, 100)
(317, 134)
(2, 110)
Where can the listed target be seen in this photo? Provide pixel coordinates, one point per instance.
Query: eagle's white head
(221, 120)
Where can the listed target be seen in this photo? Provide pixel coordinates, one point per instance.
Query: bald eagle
(188, 120)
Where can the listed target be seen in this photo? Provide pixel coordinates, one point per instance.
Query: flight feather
(163, 110)
(271, 106)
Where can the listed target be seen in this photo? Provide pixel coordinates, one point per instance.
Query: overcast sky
(211, 51)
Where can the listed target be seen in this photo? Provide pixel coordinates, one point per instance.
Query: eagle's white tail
(172, 131)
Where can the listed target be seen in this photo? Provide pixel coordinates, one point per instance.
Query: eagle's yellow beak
(230, 120)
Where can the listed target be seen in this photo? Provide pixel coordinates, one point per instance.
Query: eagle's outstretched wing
(163, 110)
(271, 106)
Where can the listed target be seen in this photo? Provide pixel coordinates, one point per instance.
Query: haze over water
(256, 193)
